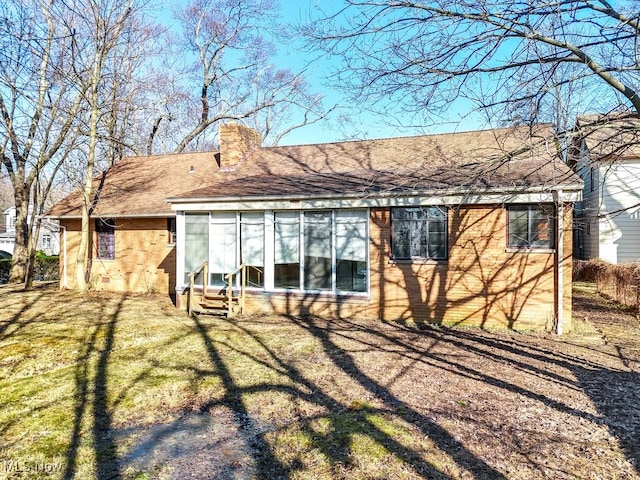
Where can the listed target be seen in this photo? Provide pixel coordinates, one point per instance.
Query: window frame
(420, 258)
(46, 241)
(105, 229)
(529, 246)
(172, 226)
(360, 281)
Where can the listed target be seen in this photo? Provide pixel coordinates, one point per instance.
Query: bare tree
(37, 113)
(506, 57)
(100, 47)
(230, 75)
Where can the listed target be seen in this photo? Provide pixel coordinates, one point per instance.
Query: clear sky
(361, 124)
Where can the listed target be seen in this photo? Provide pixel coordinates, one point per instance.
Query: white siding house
(608, 218)
(48, 240)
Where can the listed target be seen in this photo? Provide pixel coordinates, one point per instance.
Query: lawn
(124, 386)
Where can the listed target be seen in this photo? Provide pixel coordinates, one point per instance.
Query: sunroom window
(351, 250)
(286, 268)
(196, 239)
(222, 247)
(317, 251)
(252, 247)
(293, 250)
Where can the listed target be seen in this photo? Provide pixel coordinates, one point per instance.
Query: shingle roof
(468, 161)
(610, 136)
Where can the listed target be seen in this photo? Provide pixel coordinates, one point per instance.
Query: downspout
(559, 263)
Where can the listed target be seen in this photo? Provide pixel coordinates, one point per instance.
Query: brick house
(468, 228)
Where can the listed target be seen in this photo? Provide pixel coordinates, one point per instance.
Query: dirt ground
(499, 405)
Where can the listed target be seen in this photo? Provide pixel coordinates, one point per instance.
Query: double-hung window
(419, 233)
(105, 239)
(531, 226)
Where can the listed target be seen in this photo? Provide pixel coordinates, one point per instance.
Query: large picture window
(105, 239)
(419, 233)
(531, 226)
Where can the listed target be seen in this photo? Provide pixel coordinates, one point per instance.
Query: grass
(125, 386)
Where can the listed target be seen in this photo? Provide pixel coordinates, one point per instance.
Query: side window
(106, 239)
(171, 231)
(531, 226)
(419, 233)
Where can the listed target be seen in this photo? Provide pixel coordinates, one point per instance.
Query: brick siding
(144, 262)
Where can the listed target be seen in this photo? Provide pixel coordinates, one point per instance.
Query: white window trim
(269, 232)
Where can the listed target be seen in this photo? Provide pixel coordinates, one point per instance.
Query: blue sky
(362, 124)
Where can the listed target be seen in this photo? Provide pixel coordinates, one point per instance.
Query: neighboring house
(450, 229)
(48, 239)
(606, 155)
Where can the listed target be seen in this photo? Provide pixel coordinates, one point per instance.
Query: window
(196, 234)
(351, 250)
(314, 250)
(286, 268)
(46, 241)
(252, 247)
(317, 250)
(106, 238)
(171, 231)
(531, 226)
(222, 247)
(419, 233)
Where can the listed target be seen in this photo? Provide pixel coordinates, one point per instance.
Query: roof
(504, 159)
(613, 136)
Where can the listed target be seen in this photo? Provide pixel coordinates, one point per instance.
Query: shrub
(619, 282)
(5, 266)
(45, 268)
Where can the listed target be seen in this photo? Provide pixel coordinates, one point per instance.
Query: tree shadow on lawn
(612, 390)
(347, 420)
(91, 394)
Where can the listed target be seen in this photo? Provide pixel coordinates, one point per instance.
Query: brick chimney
(236, 141)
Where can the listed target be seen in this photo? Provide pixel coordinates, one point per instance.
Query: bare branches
(437, 51)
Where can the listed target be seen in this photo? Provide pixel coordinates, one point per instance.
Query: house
(48, 237)
(606, 155)
(470, 228)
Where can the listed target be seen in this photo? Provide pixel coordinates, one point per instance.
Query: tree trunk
(20, 258)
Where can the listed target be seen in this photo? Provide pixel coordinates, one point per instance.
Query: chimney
(236, 141)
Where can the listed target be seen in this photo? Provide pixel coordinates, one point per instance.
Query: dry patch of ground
(108, 386)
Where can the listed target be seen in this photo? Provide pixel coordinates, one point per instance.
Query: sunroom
(319, 251)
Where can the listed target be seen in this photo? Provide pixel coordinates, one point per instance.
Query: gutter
(363, 196)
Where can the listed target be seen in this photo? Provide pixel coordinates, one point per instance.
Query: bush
(619, 282)
(5, 266)
(46, 268)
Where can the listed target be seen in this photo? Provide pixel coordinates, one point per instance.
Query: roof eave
(409, 193)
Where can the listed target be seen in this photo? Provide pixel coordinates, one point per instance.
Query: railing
(204, 268)
(231, 282)
(242, 270)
